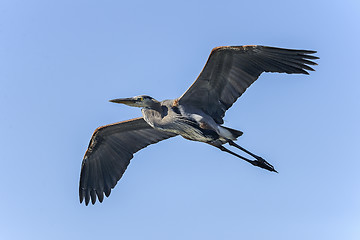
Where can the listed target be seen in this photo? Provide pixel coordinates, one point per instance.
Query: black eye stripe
(139, 99)
(145, 97)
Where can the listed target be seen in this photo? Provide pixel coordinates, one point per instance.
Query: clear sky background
(61, 61)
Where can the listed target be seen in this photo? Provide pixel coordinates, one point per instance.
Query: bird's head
(138, 101)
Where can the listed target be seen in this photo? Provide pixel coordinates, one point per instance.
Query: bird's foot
(260, 162)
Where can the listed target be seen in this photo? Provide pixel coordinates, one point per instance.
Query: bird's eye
(140, 99)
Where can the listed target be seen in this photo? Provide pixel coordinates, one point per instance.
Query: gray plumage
(109, 153)
(197, 115)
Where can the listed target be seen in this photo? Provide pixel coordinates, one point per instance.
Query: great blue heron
(197, 115)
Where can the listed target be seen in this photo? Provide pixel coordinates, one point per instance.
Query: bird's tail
(234, 133)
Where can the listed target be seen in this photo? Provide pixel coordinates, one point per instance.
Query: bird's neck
(154, 105)
(152, 115)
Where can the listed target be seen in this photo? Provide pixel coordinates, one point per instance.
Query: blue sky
(61, 61)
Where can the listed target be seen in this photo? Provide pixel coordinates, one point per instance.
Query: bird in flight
(197, 115)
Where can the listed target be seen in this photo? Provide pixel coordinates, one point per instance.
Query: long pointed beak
(127, 101)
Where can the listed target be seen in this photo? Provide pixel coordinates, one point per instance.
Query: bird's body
(192, 124)
(197, 115)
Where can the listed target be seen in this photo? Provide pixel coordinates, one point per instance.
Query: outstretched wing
(109, 153)
(229, 71)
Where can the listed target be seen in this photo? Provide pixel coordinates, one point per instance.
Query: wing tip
(92, 195)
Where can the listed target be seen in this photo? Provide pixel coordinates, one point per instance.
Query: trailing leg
(260, 162)
(257, 162)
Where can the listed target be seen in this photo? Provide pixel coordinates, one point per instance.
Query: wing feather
(229, 71)
(109, 153)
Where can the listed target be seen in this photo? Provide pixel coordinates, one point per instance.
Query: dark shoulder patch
(164, 111)
(176, 110)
